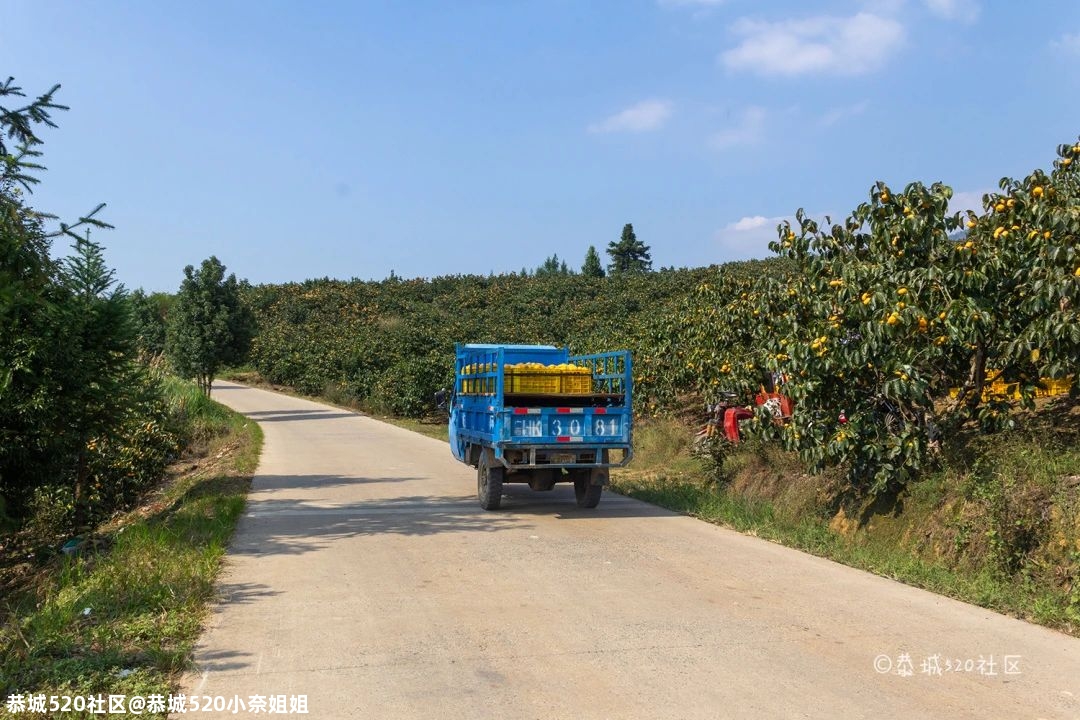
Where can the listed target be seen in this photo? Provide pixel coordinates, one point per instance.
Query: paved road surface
(364, 576)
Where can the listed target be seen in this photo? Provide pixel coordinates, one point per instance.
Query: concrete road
(364, 577)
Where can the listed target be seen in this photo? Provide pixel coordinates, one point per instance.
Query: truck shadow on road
(560, 504)
(570, 512)
(294, 526)
(280, 526)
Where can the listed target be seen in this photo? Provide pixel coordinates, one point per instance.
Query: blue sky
(348, 139)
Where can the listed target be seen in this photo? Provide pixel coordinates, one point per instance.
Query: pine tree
(629, 255)
(592, 267)
(553, 266)
(31, 371)
(100, 350)
(40, 384)
(209, 326)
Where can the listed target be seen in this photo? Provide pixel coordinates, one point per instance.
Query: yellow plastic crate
(537, 379)
(1003, 390)
(533, 382)
(1061, 387)
(1050, 387)
(577, 382)
(474, 385)
(1047, 387)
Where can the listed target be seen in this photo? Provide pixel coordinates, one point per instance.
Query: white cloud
(845, 46)
(749, 223)
(748, 237)
(643, 117)
(748, 131)
(1068, 43)
(963, 10)
(968, 200)
(842, 113)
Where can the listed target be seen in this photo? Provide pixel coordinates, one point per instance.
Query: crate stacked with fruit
(532, 378)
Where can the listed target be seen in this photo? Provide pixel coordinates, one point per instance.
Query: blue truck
(535, 414)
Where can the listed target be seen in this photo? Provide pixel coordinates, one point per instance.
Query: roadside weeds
(122, 614)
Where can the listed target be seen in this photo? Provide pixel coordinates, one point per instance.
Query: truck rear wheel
(489, 482)
(586, 493)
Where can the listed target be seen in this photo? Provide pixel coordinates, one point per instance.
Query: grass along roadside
(123, 617)
(431, 428)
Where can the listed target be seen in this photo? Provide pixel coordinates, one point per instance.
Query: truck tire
(585, 492)
(489, 482)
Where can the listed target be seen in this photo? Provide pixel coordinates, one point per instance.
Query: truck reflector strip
(600, 411)
(526, 411)
(567, 438)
